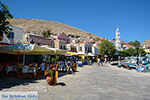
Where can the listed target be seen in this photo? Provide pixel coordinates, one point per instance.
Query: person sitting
(33, 64)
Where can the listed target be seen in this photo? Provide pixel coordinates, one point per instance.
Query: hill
(147, 43)
(35, 25)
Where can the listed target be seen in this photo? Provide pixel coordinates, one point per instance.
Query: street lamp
(137, 48)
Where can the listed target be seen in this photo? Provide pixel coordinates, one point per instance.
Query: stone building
(38, 40)
(60, 44)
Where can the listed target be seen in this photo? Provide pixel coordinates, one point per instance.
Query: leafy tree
(133, 52)
(97, 39)
(140, 52)
(107, 48)
(130, 51)
(77, 36)
(5, 16)
(69, 35)
(47, 33)
(63, 32)
(134, 43)
(123, 53)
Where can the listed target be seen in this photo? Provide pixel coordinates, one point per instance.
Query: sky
(100, 17)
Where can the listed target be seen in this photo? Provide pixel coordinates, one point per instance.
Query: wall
(18, 34)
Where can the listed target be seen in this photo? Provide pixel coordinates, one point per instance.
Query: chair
(30, 73)
(14, 71)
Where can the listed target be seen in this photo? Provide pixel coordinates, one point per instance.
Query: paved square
(89, 83)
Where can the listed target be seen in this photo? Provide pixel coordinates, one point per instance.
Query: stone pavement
(92, 83)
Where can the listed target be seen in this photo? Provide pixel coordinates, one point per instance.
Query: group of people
(62, 64)
(100, 61)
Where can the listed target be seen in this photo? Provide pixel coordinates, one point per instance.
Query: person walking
(98, 61)
(102, 61)
(69, 65)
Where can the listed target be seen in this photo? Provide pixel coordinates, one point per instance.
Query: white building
(15, 36)
(118, 41)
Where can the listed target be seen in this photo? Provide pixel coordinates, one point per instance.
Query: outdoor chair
(14, 71)
(30, 74)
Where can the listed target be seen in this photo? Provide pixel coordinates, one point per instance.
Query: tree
(130, 51)
(134, 43)
(97, 39)
(47, 33)
(107, 48)
(133, 52)
(5, 16)
(77, 36)
(123, 53)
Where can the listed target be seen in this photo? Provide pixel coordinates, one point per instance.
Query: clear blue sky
(100, 17)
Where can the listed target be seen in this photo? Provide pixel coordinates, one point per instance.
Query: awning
(25, 49)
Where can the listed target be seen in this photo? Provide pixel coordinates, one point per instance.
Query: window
(11, 34)
(85, 48)
(64, 47)
(80, 48)
(61, 46)
(51, 43)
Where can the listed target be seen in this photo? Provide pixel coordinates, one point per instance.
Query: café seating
(12, 71)
(29, 72)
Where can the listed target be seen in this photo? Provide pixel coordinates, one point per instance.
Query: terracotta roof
(94, 47)
(92, 41)
(81, 42)
(123, 42)
(130, 46)
(148, 46)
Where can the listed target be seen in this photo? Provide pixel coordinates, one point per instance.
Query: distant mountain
(35, 25)
(147, 43)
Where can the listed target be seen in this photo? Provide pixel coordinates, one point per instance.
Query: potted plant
(52, 60)
(56, 59)
(50, 76)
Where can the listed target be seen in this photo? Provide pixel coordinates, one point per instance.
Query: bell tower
(118, 41)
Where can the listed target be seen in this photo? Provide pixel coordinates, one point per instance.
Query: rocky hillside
(147, 43)
(35, 25)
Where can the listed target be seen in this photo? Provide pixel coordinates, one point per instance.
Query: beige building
(60, 44)
(71, 47)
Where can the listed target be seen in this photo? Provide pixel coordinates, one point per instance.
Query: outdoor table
(25, 70)
(11, 68)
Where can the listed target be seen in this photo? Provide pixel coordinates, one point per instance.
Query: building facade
(38, 40)
(84, 47)
(15, 36)
(60, 44)
(63, 37)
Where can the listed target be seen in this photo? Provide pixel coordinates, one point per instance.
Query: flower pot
(50, 80)
(75, 69)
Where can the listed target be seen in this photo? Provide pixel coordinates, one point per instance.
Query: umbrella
(80, 53)
(90, 54)
(68, 54)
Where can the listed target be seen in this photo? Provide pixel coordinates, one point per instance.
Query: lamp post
(137, 48)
